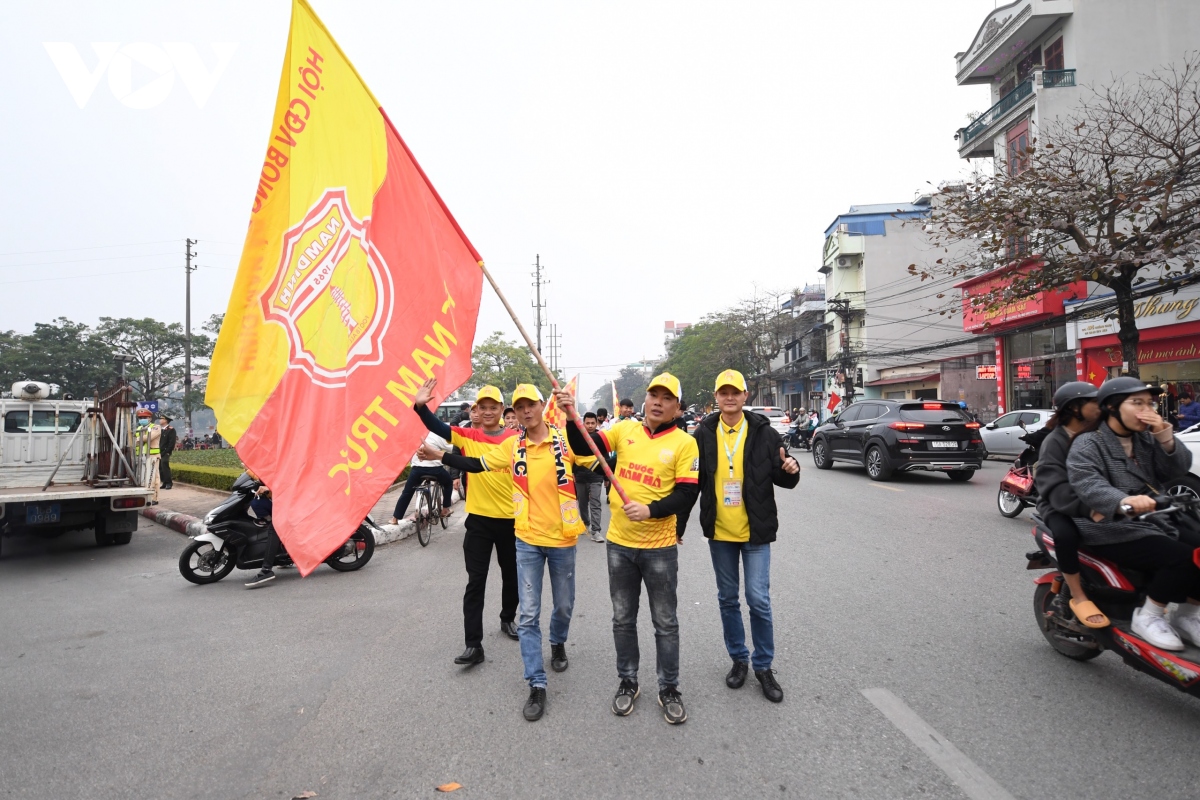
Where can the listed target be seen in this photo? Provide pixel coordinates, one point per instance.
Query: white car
(775, 414)
(1191, 483)
(1002, 436)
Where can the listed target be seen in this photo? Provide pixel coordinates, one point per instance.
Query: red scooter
(1117, 592)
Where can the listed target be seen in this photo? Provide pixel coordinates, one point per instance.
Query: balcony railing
(1058, 78)
(1006, 104)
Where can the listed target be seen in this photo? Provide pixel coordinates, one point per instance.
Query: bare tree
(1109, 193)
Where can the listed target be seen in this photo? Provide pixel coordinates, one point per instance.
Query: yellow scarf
(568, 504)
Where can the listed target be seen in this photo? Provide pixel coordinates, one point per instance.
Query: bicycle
(428, 497)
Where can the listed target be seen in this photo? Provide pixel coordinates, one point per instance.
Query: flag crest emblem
(332, 292)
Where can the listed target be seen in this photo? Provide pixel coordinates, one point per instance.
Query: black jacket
(167, 441)
(1055, 492)
(762, 470)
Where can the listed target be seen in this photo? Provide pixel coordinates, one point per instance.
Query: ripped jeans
(531, 568)
(658, 568)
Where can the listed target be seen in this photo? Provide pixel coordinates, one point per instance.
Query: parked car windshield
(932, 412)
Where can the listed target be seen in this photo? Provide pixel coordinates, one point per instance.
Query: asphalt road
(120, 679)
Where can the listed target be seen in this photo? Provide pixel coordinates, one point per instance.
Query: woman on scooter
(1076, 410)
(1127, 459)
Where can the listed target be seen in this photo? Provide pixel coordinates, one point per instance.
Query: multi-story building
(885, 335)
(1038, 56)
(673, 330)
(793, 370)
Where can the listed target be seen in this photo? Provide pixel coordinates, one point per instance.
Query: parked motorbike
(1117, 592)
(236, 538)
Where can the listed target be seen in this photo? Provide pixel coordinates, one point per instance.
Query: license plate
(44, 514)
(944, 445)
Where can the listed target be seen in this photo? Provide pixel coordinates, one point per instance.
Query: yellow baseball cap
(489, 393)
(527, 391)
(667, 381)
(731, 377)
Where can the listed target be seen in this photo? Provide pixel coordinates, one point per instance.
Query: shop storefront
(1030, 365)
(1168, 346)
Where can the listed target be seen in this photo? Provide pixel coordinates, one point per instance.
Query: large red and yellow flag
(355, 285)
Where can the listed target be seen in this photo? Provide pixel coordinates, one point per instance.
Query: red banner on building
(1039, 305)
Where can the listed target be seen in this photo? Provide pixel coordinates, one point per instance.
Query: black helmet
(1075, 390)
(1125, 385)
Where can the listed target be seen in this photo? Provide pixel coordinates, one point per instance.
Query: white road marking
(975, 783)
(881, 486)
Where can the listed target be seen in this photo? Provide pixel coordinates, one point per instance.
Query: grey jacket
(1103, 476)
(1054, 489)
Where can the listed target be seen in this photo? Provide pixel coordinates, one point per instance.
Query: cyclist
(420, 469)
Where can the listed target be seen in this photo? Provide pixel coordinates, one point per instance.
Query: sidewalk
(183, 507)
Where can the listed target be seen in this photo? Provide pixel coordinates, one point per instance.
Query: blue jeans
(756, 560)
(531, 566)
(658, 568)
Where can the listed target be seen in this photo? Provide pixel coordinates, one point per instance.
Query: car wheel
(821, 457)
(1187, 486)
(960, 475)
(878, 467)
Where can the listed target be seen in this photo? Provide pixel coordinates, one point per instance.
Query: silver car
(775, 414)
(1189, 484)
(1002, 437)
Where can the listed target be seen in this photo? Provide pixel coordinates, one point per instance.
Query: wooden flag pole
(554, 382)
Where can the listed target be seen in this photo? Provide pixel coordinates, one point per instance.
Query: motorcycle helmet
(1075, 390)
(1120, 388)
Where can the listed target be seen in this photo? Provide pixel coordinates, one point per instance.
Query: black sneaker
(737, 675)
(622, 702)
(770, 687)
(558, 657)
(535, 706)
(264, 577)
(672, 705)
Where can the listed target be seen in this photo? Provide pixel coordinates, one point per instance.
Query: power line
(81, 260)
(87, 275)
(91, 247)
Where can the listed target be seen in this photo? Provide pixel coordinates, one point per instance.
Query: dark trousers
(273, 548)
(1066, 541)
(1174, 578)
(415, 475)
(164, 470)
(482, 534)
(658, 568)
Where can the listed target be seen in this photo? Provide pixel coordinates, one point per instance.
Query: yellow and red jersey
(648, 467)
(491, 493)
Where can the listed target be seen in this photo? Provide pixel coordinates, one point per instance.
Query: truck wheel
(103, 537)
(122, 538)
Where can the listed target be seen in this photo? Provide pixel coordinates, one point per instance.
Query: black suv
(890, 435)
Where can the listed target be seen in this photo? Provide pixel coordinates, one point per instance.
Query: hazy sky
(664, 158)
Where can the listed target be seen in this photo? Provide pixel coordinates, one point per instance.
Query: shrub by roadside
(212, 477)
(208, 458)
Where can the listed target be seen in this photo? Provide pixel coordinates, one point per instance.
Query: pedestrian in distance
(624, 411)
(422, 468)
(147, 441)
(602, 420)
(167, 441)
(464, 414)
(510, 419)
(742, 460)
(490, 515)
(656, 464)
(541, 466)
(589, 485)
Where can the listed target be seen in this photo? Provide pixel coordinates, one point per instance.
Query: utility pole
(538, 305)
(555, 350)
(187, 348)
(840, 307)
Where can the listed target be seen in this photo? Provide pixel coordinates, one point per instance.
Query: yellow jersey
(648, 467)
(732, 523)
(490, 493)
(547, 517)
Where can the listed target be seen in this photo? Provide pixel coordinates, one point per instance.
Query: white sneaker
(1156, 630)
(1187, 625)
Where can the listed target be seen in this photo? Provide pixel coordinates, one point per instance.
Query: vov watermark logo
(156, 67)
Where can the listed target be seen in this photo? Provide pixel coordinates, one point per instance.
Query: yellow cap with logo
(526, 391)
(489, 393)
(731, 377)
(667, 381)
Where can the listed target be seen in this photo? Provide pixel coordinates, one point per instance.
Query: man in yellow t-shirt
(657, 466)
(742, 459)
(490, 515)
(540, 464)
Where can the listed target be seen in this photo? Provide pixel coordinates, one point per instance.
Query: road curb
(192, 526)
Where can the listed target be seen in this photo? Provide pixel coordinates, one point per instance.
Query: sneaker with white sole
(1155, 629)
(1187, 625)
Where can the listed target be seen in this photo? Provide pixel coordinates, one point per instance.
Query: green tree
(503, 363)
(62, 352)
(157, 349)
(704, 349)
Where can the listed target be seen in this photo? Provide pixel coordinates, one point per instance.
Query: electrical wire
(88, 275)
(91, 247)
(82, 260)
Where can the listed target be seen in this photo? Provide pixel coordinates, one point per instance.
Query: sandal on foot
(1083, 609)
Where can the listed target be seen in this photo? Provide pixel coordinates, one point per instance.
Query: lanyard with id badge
(731, 489)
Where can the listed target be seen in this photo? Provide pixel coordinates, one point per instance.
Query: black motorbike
(798, 439)
(237, 538)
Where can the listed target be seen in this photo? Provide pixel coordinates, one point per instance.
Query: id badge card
(731, 494)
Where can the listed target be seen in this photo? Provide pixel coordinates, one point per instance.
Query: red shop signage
(1040, 305)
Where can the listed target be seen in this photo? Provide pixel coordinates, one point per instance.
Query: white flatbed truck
(69, 465)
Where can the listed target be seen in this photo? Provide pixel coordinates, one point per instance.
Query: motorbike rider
(260, 509)
(1075, 410)
(1121, 464)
